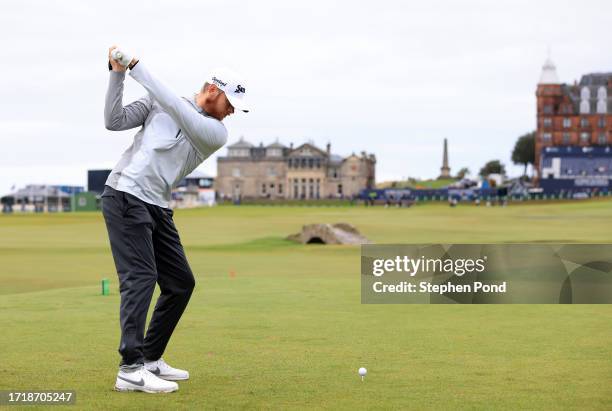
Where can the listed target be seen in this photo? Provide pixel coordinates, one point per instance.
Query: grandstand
(575, 168)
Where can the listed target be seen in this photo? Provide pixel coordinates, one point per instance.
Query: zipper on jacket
(177, 133)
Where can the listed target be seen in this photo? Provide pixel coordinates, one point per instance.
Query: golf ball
(363, 371)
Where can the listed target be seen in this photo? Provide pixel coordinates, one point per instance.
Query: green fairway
(272, 324)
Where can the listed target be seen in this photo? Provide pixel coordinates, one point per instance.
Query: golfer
(176, 135)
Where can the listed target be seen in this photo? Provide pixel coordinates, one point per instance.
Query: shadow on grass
(258, 244)
(269, 244)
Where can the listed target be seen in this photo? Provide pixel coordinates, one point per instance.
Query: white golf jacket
(176, 136)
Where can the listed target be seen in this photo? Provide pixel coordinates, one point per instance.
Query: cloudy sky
(389, 77)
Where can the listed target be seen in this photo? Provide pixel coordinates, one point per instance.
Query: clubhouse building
(305, 172)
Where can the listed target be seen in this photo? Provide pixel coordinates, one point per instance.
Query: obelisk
(445, 169)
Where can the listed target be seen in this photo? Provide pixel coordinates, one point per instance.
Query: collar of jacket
(199, 109)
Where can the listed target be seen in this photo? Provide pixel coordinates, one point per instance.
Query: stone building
(280, 172)
(575, 115)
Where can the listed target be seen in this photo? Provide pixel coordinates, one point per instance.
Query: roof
(593, 82)
(276, 144)
(241, 144)
(549, 73)
(335, 159)
(38, 191)
(596, 79)
(308, 146)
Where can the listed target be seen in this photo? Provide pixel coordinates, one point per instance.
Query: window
(280, 189)
(546, 137)
(602, 94)
(310, 163)
(271, 171)
(238, 152)
(584, 122)
(602, 122)
(585, 107)
(548, 109)
(547, 122)
(263, 188)
(567, 122)
(339, 189)
(602, 107)
(585, 93)
(585, 137)
(601, 139)
(274, 152)
(205, 182)
(236, 172)
(566, 138)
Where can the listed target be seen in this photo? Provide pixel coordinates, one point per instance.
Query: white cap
(232, 85)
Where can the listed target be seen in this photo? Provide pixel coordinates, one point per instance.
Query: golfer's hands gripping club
(119, 60)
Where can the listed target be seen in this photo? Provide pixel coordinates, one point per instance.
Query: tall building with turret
(574, 130)
(279, 172)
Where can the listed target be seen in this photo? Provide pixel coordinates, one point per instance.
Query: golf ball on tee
(363, 371)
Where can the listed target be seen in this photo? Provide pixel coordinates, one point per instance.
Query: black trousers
(147, 250)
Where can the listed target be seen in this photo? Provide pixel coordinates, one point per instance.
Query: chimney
(328, 149)
(291, 146)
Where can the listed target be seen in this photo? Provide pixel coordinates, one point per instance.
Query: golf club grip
(109, 66)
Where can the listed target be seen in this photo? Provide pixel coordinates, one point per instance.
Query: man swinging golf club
(176, 135)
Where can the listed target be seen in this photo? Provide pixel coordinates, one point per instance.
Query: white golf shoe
(143, 380)
(162, 370)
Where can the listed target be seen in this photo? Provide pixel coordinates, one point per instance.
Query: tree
(462, 173)
(493, 167)
(524, 150)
